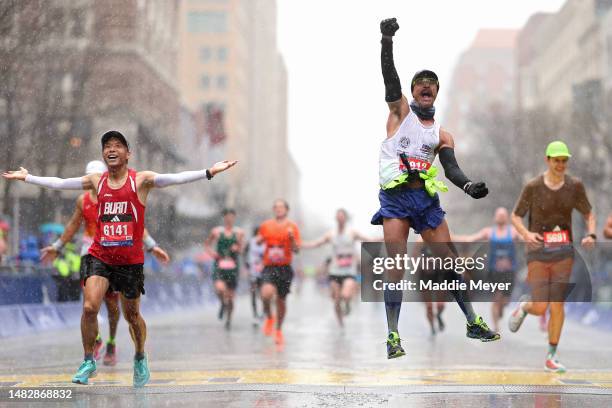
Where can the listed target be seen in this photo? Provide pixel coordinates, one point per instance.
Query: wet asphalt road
(195, 362)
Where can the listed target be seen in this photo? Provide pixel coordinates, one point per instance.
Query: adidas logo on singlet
(115, 219)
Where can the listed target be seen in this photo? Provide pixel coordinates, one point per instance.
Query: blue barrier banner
(70, 312)
(13, 321)
(164, 294)
(43, 317)
(20, 289)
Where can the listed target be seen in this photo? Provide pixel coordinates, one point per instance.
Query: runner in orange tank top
(282, 238)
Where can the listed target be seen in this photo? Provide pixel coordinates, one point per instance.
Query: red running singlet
(120, 227)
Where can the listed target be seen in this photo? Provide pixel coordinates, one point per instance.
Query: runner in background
(343, 267)
(254, 252)
(228, 240)
(502, 267)
(433, 305)
(281, 237)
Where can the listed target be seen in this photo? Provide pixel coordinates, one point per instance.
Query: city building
(232, 76)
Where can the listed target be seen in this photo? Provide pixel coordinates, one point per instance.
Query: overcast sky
(337, 111)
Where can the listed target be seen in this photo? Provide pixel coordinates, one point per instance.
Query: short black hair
(114, 134)
(228, 211)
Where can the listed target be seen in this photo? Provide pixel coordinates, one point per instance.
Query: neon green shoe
(394, 346)
(141, 372)
(480, 330)
(86, 371)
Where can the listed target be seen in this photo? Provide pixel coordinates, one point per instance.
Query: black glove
(476, 190)
(388, 27)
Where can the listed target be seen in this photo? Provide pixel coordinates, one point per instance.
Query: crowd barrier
(163, 294)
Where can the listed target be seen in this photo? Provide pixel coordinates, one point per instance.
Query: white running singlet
(416, 141)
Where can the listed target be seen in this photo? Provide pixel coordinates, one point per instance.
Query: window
(78, 23)
(221, 82)
(207, 22)
(205, 54)
(56, 22)
(205, 82)
(222, 54)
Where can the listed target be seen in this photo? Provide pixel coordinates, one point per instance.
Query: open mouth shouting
(112, 159)
(426, 96)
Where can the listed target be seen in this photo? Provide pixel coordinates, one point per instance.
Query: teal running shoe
(86, 371)
(394, 346)
(141, 372)
(479, 330)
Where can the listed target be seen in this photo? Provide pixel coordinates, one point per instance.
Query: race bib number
(276, 254)
(415, 164)
(227, 263)
(117, 230)
(554, 239)
(344, 261)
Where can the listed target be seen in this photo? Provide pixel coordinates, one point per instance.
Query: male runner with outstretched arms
(408, 197)
(86, 209)
(117, 248)
(229, 241)
(343, 268)
(282, 238)
(550, 199)
(502, 257)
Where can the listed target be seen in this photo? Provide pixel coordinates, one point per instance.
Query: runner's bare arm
(54, 183)
(152, 247)
(212, 237)
(294, 238)
(608, 228)
(482, 235)
(515, 234)
(589, 219)
(358, 236)
(398, 105)
(324, 239)
(240, 237)
(528, 236)
(50, 252)
(446, 152)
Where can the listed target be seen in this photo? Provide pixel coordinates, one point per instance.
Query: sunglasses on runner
(425, 81)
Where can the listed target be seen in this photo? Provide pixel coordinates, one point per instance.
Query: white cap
(94, 167)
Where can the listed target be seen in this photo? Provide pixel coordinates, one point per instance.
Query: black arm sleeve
(451, 168)
(393, 87)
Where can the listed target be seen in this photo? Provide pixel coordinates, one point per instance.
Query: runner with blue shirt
(502, 257)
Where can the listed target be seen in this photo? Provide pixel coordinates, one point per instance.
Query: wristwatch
(594, 236)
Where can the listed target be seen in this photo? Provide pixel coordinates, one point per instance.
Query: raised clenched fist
(389, 26)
